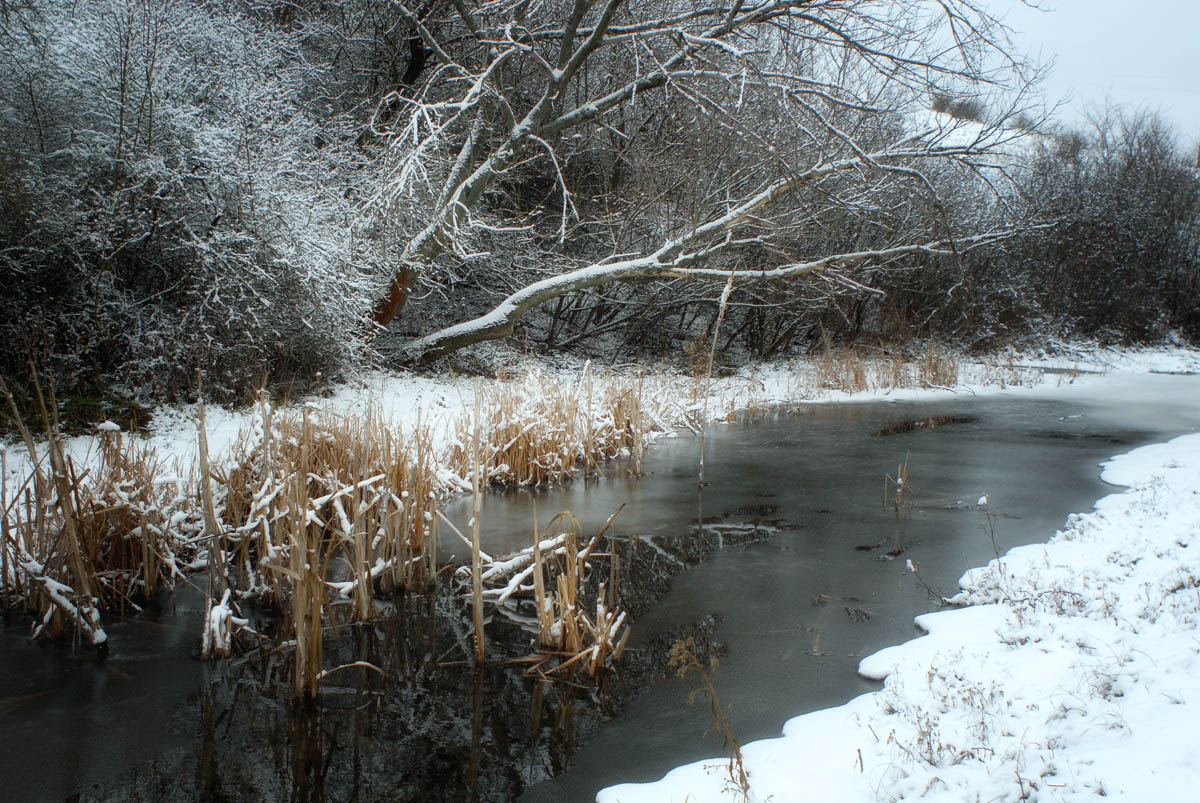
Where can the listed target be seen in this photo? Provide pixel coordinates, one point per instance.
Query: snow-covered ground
(1074, 673)
(439, 402)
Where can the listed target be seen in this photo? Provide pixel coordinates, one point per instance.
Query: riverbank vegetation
(309, 509)
(284, 193)
(319, 510)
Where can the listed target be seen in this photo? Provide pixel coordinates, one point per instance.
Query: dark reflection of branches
(431, 728)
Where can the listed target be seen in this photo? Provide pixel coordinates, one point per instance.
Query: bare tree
(231, 186)
(741, 138)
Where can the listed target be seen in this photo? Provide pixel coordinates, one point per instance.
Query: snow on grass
(1094, 358)
(1074, 674)
(439, 402)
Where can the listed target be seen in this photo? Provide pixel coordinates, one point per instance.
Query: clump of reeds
(568, 632)
(310, 509)
(541, 429)
(578, 631)
(856, 370)
(842, 370)
(76, 541)
(136, 519)
(221, 623)
(1007, 373)
(315, 507)
(937, 369)
(366, 487)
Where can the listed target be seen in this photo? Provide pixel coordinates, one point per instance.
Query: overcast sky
(1139, 53)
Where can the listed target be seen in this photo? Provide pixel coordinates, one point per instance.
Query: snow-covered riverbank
(1074, 674)
(1002, 696)
(439, 402)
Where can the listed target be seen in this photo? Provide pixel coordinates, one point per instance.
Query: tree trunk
(393, 303)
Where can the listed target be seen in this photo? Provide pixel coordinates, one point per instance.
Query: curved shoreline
(1072, 671)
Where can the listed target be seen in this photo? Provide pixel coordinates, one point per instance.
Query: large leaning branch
(704, 57)
(469, 180)
(499, 322)
(683, 256)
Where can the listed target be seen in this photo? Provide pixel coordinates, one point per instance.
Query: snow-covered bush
(179, 199)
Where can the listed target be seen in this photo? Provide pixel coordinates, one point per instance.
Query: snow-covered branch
(776, 83)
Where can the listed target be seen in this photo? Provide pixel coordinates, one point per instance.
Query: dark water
(796, 612)
(68, 720)
(824, 471)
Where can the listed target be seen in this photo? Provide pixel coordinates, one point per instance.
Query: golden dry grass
(539, 430)
(365, 490)
(856, 371)
(310, 508)
(317, 506)
(580, 632)
(75, 542)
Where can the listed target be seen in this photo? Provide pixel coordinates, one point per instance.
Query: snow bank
(1074, 674)
(1167, 359)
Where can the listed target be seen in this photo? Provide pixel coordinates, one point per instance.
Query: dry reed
(76, 542)
(579, 631)
(540, 430)
(854, 371)
(318, 506)
(901, 490)
(476, 554)
(356, 482)
(685, 662)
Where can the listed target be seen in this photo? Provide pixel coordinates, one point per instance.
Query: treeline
(1113, 254)
(221, 189)
(1105, 246)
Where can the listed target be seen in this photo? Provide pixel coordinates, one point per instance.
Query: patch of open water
(796, 613)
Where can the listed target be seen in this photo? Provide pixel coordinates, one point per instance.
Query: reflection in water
(929, 422)
(429, 728)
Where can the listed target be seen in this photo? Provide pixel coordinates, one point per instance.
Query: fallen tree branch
(499, 322)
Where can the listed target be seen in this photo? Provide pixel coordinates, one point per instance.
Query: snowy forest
(282, 190)
(483, 400)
